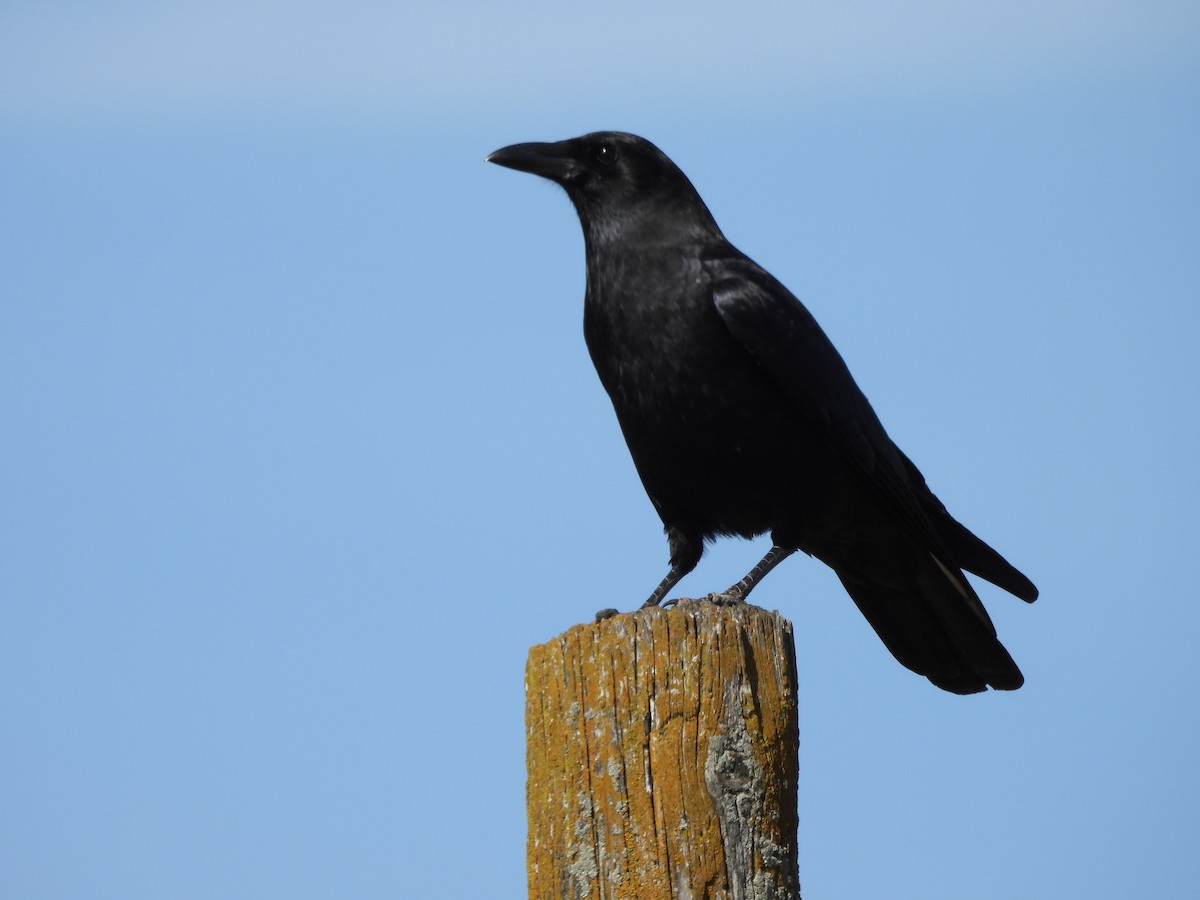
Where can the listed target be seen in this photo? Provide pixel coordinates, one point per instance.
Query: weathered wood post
(661, 753)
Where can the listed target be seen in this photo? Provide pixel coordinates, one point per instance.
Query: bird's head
(613, 178)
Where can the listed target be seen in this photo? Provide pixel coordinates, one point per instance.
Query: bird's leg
(686, 549)
(673, 577)
(738, 592)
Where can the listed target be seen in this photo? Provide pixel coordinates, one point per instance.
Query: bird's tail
(932, 621)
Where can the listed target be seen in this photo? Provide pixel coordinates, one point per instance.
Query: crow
(743, 419)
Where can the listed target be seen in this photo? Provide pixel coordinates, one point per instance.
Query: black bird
(742, 418)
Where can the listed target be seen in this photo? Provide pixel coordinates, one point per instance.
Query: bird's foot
(731, 597)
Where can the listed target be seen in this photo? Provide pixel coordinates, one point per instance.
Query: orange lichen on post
(661, 755)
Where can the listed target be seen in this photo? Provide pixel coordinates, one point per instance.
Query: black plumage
(743, 419)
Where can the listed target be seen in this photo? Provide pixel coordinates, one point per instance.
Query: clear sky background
(301, 449)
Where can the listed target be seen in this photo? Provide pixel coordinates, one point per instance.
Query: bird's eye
(605, 154)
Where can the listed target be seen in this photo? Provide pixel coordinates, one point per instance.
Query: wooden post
(661, 754)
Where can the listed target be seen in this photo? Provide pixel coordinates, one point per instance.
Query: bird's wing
(970, 551)
(786, 340)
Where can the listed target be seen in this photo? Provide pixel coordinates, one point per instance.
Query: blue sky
(302, 448)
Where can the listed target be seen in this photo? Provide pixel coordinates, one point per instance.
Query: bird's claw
(724, 598)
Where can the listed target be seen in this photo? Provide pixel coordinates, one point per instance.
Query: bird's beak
(553, 161)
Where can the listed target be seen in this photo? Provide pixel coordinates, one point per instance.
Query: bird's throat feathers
(643, 225)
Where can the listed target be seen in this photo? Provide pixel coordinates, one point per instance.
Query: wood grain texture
(662, 757)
